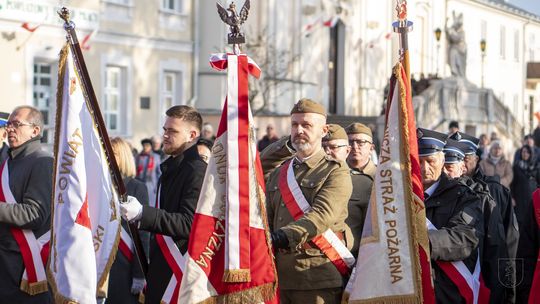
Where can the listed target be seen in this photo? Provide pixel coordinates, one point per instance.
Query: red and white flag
(393, 263)
(86, 221)
(229, 255)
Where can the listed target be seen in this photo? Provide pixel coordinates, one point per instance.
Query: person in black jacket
(526, 180)
(454, 210)
(500, 226)
(179, 188)
(30, 181)
(126, 279)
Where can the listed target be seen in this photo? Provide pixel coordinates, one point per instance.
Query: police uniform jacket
(362, 182)
(455, 210)
(180, 185)
(30, 181)
(326, 185)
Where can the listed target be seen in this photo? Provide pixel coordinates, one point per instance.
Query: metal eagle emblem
(234, 20)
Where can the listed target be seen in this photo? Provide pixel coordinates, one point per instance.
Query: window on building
(172, 5)
(171, 91)
(483, 30)
(42, 91)
(114, 98)
(516, 45)
(502, 39)
(531, 47)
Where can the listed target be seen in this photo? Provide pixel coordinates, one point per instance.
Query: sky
(532, 6)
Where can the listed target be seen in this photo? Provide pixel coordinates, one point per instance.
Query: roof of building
(510, 8)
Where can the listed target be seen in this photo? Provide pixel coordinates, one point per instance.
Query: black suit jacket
(180, 184)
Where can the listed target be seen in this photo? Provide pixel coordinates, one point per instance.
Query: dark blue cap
(3, 119)
(471, 142)
(430, 142)
(454, 151)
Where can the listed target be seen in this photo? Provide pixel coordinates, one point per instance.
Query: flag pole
(402, 26)
(90, 96)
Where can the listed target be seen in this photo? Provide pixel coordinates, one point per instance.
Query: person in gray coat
(30, 181)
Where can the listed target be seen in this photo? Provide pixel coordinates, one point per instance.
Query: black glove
(279, 239)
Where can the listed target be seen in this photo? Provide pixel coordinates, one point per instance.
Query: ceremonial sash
(174, 259)
(126, 244)
(468, 284)
(34, 253)
(296, 203)
(534, 295)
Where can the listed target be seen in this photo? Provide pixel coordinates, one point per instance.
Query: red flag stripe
(83, 218)
(534, 295)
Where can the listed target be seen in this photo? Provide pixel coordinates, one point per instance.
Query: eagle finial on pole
(234, 20)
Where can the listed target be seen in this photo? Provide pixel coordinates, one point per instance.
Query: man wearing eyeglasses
(3, 134)
(24, 205)
(361, 142)
(336, 144)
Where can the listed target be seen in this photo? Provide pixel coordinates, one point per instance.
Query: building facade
(139, 55)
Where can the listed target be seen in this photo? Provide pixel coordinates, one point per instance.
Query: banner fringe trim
(237, 276)
(261, 293)
(34, 288)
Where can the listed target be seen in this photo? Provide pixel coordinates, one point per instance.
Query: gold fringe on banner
(34, 288)
(237, 276)
(390, 300)
(257, 294)
(141, 297)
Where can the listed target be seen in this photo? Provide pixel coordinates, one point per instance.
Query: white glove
(131, 209)
(137, 286)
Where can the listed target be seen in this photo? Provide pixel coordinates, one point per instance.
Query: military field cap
(335, 132)
(306, 105)
(3, 119)
(454, 151)
(471, 142)
(146, 141)
(430, 142)
(358, 128)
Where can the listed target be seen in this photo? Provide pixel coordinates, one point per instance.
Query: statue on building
(457, 48)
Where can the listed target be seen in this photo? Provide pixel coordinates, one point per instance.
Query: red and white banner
(86, 219)
(229, 254)
(296, 203)
(393, 263)
(34, 252)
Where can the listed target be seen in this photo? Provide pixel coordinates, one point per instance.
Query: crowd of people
(477, 201)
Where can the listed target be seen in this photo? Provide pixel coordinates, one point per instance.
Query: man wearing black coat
(30, 182)
(179, 187)
(500, 225)
(455, 211)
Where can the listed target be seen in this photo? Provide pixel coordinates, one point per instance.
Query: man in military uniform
(306, 274)
(500, 224)
(361, 142)
(454, 165)
(336, 144)
(455, 212)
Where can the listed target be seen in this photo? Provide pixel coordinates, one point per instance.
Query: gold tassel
(390, 300)
(141, 297)
(237, 276)
(262, 293)
(34, 288)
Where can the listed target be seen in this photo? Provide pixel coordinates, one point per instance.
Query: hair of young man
(186, 113)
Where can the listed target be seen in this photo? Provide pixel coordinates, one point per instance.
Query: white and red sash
(126, 244)
(34, 252)
(297, 205)
(175, 260)
(469, 284)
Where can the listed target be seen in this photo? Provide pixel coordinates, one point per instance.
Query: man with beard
(336, 144)
(502, 233)
(304, 172)
(455, 214)
(178, 192)
(361, 142)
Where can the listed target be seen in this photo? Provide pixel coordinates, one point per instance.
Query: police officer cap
(335, 132)
(3, 119)
(146, 141)
(358, 128)
(471, 142)
(306, 105)
(454, 151)
(430, 142)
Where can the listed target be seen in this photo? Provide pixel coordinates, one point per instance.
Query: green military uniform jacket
(326, 185)
(358, 204)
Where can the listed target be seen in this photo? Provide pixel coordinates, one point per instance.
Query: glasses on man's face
(17, 124)
(334, 147)
(359, 142)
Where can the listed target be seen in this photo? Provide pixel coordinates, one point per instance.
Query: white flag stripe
(232, 248)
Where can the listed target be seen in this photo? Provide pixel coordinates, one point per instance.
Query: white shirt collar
(429, 191)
